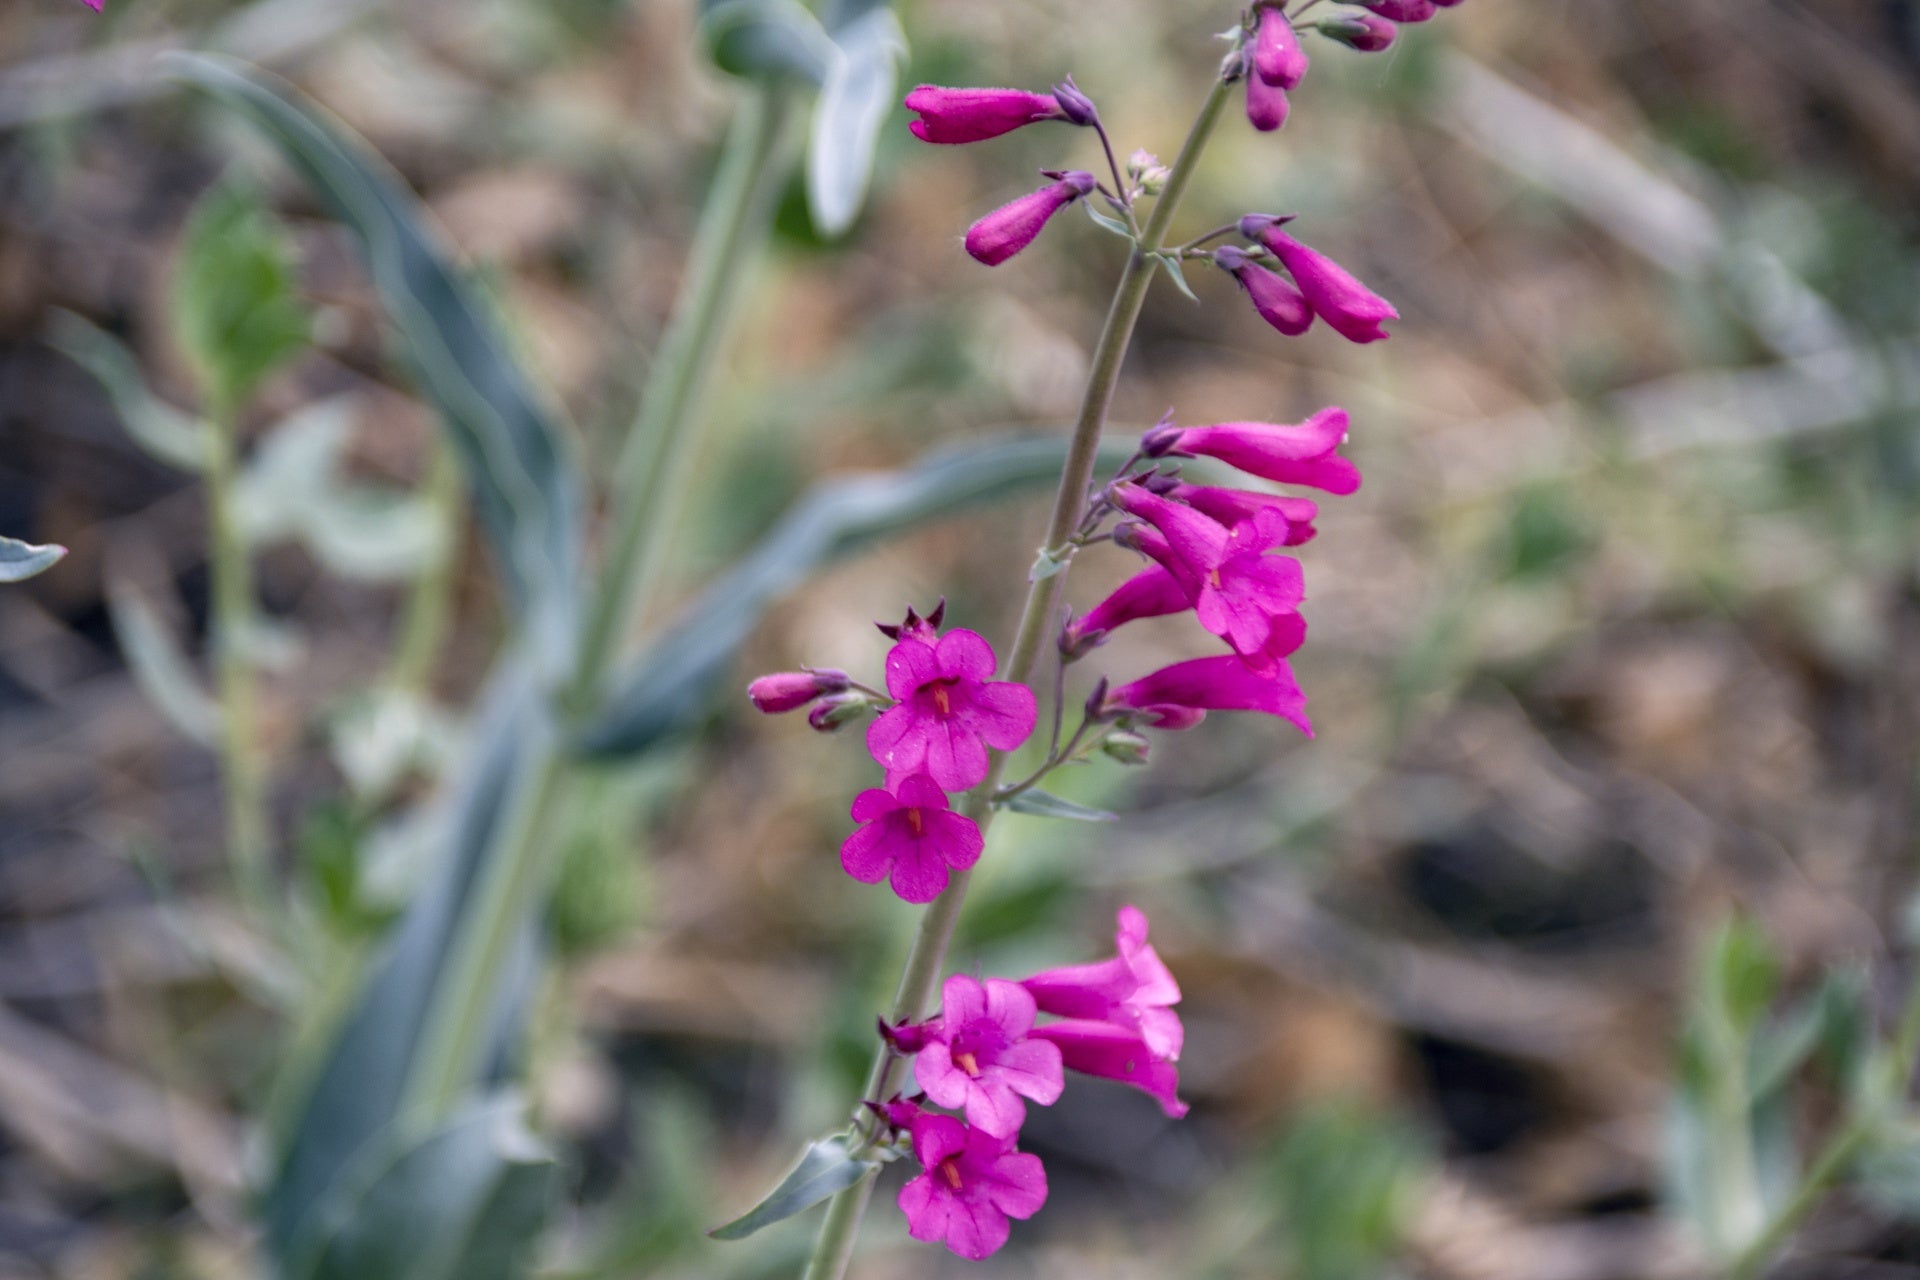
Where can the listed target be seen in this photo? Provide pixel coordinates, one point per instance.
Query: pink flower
(1362, 31)
(1012, 227)
(1290, 453)
(1133, 990)
(1151, 593)
(791, 690)
(1234, 506)
(973, 115)
(1114, 1052)
(1279, 303)
(1355, 311)
(93, 4)
(1400, 10)
(979, 1056)
(1237, 590)
(910, 837)
(1266, 104)
(1278, 58)
(973, 1183)
(1179, 696)
(948, 713)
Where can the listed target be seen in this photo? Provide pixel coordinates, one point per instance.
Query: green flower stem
(653, 466)
(242, 774)
(928, 954)
(736, 223)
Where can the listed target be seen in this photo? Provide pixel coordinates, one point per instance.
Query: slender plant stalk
(927, 956)
(736, 223)
(242, 776)
(429, 606)
(653, 465)
(1846, 1143)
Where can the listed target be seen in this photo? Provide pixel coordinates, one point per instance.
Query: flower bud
(973, 115)
(791, 690)
(1076, 106)
(1147, 173)
(1125, 746)
(1362, 31)
(1097, 699)
(836, 710)
(1279, 303)
(1013, 226)
(1400, 10)
(1266, 104)
(1277, 56)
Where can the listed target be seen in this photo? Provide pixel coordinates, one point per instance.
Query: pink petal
(867, 853)
(920, 792)
(992, 1107)
(919, 874)
(937, 1137)
(956, 757)
(962, 1000)
(1018, 1185)
(965, 654)
(910, 664)
(1010, 1007)
(955, 838)
(897, 740)
(1002, 713)
(945, 1083)
(873, 803)
(976, 1229)
(1031, 1068)
(927, 1209)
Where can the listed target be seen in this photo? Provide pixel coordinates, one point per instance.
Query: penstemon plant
(946, 728)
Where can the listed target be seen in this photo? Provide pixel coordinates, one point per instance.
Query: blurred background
(1619, 642)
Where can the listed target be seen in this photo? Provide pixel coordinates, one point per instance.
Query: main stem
(733, 228)
(242, 778)
(928, 954)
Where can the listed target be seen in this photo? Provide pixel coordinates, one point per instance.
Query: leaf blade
(827, 1167)
(22, 560)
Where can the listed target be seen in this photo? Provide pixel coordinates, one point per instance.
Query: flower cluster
(942, 712)
(986, 1050)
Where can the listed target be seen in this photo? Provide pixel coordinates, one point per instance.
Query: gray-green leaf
(853, 103)
(826, 1168)
(21, 560)
(517, 457)
(1042, 804)
(176, 438)
(762, 38)
(159, 665)
(235, 312)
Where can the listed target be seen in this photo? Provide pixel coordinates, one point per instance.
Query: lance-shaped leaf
(359, 1087)
(465, 1202)
(160, 667)
(21, 560)
(1044, 804)
(175, 437)
(826, 1168)
(673, 682)
(517, 458)
(854, 101)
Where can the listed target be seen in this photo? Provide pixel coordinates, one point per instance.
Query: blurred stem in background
(734, 228)
(920, 974)
(429, 607)
(242, 771)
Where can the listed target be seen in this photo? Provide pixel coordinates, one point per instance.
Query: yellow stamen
(942, 703)
(950, 1172)
(915, 821)
(967, 1063)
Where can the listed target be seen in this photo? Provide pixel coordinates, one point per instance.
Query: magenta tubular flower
(1289, 453)
(1236, 506)
(911, 838)
(791, 690)
(973, 1183)
(974, 115)
(1278, 58)
(1400, 10)
(1354, 310)
(1134, 990)
(1114, 1052)
(93, 4)
(1151, 593)
(1266, 104)
(980, 1057)
(1013, 226)
(1236, 588)
(1363, 31)
(948, 713)
(1278, 301)
(1179, 696)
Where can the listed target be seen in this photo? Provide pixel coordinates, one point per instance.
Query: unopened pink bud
(1013, 226)
(1266, 104)
(837, 709)
(1278, 58)
(1400, 10)
(1354, 310)
(1279, 303)
(791, 690)
(1076, 106)
(1363, 31)
(974, 115)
